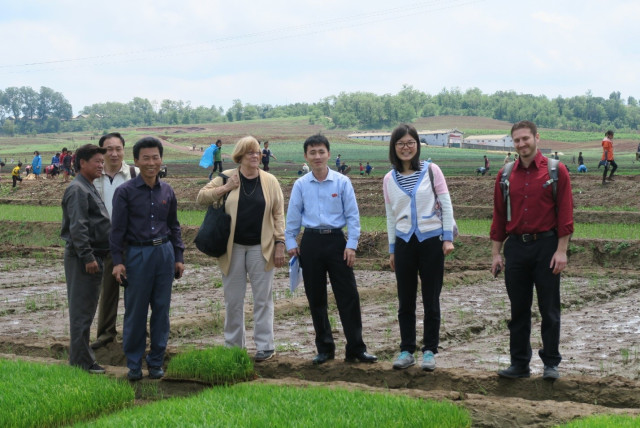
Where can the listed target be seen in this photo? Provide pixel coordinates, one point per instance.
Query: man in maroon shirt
(535, 249)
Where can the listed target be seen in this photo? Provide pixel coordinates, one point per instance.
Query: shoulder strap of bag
(224, 181)
(504, 186)
(132, 171)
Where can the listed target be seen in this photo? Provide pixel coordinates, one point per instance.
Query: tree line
(24, 111)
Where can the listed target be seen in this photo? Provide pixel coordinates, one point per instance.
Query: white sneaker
(404, 360)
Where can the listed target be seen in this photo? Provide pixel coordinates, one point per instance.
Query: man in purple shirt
(147, 252)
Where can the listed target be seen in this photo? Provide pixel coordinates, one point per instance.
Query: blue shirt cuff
(447, 236)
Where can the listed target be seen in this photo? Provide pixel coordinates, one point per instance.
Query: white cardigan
(414, 213)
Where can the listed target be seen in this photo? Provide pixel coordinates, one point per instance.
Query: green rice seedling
(216, 365)
(286, 347)
(54, 395)
(604, 421)
(625, 354)
(278, 406)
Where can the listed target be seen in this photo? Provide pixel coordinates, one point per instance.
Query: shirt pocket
(333, 203)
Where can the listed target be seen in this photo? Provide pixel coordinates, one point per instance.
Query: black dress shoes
(363, 357)
(323, 357)
(515, 372)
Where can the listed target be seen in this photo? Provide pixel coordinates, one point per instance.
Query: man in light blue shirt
(324, 202)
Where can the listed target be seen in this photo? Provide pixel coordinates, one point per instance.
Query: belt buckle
(528, 237)
(325, 231)
(156, 242)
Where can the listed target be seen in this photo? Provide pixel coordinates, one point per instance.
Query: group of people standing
(121, 228)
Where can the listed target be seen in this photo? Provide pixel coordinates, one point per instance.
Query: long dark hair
(400, 131)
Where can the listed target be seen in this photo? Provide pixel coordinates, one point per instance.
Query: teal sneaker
(404, 360)
(428, 361)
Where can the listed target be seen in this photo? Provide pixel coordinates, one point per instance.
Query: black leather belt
(323, 231)
(529, 237)
(150, 242)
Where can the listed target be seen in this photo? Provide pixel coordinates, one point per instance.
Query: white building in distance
(503, 141)
(439, 137)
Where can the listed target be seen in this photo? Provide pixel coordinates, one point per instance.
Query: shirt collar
(139, 182)
(329, 175)
(537, 160)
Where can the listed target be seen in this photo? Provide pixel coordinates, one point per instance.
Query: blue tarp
(207, 156)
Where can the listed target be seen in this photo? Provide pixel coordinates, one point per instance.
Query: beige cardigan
(272, 221)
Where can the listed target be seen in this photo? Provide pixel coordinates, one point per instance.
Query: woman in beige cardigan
(256, 244)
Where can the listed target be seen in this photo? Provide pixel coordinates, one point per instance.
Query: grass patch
(260, 405)
(216, 365)
(604, 421)
(39, 395)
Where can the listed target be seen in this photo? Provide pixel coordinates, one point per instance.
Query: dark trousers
(265, 165)
(108, 305)
(614, 167)
(150, 273)
(83, 290)
(319, 255)
(526, 265)
(16, 179)
(426, 259)
(217, 166)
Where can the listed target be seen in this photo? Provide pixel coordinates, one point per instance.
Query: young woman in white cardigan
(420, 228)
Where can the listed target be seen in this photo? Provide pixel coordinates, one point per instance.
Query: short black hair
(146, 143)
(400, 131)
(609, 133)
(105, 137)
(316, 140)
(86, 152)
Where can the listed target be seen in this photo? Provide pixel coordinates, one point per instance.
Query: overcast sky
(280, 52)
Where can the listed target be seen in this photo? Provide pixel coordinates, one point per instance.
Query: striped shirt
(407, 182)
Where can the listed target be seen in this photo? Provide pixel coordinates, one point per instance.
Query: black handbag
(213, 234)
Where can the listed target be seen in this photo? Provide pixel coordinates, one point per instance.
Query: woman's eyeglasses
(402, 144)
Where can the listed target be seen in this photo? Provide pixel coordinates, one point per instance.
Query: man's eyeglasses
(401, 144)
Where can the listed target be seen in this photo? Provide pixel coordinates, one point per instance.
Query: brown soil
(601, 350)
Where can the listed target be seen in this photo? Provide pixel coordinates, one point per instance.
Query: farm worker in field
(607, 157)
(147, 252)
(115, 172)
(255, 247)
(323, 202)
(361, 169)
(85, 229)
(582, 168)
(580, 159)
(507, 158)
(66, 164)
(36, 164)
(217, 159)
(305, 168)
(368, 169)
(486, 164)
(419, 239)
(338, 163)
(266, 155)
(15, 174)
(536, 236)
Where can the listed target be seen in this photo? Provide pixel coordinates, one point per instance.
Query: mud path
(600, 341)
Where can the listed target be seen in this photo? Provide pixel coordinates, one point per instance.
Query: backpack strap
(132, 171)
(552, 166)
(504, 186)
